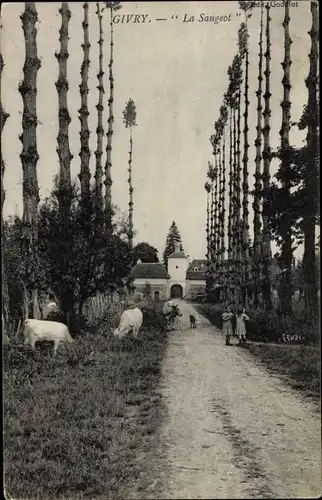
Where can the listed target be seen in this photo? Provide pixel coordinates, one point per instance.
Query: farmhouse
(150, 277)
(196, 278)
(183, 279)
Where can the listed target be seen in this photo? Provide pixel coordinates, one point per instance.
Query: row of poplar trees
(285, 208)
(103, 207)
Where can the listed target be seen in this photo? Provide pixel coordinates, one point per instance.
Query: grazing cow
(41, 330)
(131, 319)
(170, 312)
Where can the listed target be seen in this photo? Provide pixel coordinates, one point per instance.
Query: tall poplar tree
(4, 284)
(129, 119)
(29, 159)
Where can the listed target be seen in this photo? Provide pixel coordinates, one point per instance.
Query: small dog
(192, 321)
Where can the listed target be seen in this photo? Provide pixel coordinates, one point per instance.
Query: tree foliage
(95, 261)
(13, 264)
(145, 252)
(172, 237)
(129, 114)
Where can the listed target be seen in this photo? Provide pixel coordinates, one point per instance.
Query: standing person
(241, 317)
(227, 327)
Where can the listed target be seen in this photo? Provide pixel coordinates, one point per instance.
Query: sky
(176, 73)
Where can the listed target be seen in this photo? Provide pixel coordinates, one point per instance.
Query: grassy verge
(298, 364)
(83, 424)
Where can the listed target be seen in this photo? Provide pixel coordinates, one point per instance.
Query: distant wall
(161, 287)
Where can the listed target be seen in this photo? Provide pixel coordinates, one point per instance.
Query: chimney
(177, 246)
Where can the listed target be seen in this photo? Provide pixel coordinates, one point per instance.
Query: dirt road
(232, 430)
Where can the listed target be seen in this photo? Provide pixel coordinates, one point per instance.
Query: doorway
(176, 292)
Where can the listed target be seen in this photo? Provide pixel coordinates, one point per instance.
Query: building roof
(149, 270)
(177, 255)
(199, 263)
(197, 270)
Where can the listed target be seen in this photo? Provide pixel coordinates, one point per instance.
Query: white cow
(5, 339)
(37, 330)
(131, 319)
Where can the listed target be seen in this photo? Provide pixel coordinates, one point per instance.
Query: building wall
(177, 269)
(189, 287)
(194, 286)
(157, 285)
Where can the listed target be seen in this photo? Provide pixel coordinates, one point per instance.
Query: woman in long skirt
(227, 327)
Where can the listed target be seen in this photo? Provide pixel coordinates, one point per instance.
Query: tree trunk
(212, 224)
(311, 178)
(85, 154)
(109, 135)
(4, 283)
(236, 204)
(130, 192)
(212, 213)
(63, 150)
(286, 154)
(219, 211)
(231, 208)
(29, 158)
(207, 224)
(266, 260)
(222, 222)
(258, 174)
(99, 130)
(216, 225)
(239, 232)
(223, 200)
(245, 187)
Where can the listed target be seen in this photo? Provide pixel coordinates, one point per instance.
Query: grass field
(82, 425)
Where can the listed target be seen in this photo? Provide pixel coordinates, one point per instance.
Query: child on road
(227, 327)
(241, 317)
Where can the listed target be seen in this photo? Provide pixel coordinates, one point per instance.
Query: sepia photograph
(160, 250)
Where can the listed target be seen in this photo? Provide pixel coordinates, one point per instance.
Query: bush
(213, 312)
(152, 314)
(268, 326)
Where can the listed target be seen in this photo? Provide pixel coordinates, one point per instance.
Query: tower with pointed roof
(177, 268)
